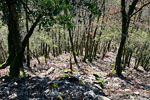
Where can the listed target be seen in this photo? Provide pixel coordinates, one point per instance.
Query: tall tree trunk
(125, 25)
(14, 38)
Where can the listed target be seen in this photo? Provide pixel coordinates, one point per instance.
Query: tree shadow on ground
(36, 88)
(134, 83)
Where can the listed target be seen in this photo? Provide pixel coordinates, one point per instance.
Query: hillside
(92, 81)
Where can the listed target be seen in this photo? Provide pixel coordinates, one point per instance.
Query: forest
(74, 49)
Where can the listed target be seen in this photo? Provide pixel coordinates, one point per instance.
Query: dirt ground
(92, 81)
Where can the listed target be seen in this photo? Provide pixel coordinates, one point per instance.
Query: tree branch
(26, 8)
(24, 43)
(140, 9)
(132, 7)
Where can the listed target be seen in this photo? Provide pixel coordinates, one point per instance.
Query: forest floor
(92, 81)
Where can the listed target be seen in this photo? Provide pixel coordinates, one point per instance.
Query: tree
(17, 47)
(126, 17)
(45, 10)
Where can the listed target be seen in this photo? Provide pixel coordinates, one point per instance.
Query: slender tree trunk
(72, 48)
(28, 47)
(118, 67)
(125, 25)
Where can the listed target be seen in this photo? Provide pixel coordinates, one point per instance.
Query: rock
(132, 97)
(90, 94)
(51, 70)
(100, 97)
(142, 98)
(137, 93)
(48, 93)
(147, 86)
(13, 96)
(77, 74)
(141, 68)
(126, 90)
(89, 79)
(116, 79)
(15, 83)
(6, 90)
(42, 75)
(124, 73)
(105, 91)
(98, 86)
(116, 85)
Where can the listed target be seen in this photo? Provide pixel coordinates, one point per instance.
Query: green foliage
(102, 82)
(1, 25)
(21, 75)
(60, 97)
(114, 71)
(2, 65)
(99, 80)
(80, 81)
(54, 85)
(70, 71)
(4, 76)
(111, 33)
(66, 19)
(93, 8)
(65, 76)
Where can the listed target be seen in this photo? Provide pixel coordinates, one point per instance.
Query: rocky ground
(92, 81)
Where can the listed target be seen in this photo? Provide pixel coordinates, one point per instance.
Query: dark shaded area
(45, 89)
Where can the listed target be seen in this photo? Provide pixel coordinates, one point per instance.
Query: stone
(102, 97)
(116, 79)
(90, 94)
(98, 86)
(13, 96)
(116, 85)
(126, 90)
(137, 93)
(141, 68)
(49, 93)
(15, 83)
(132, 97)
(51, 70)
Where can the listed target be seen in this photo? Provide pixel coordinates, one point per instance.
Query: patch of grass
(112, 64)
(114, 71)
(65, 76)
(70, 71)
(99, 80)
(127, 93)
(21, 75)
(1, 26)
(60, 97)
(80, 81)
(102, 82)
(2, 65)
(3, 76)
(54, 85)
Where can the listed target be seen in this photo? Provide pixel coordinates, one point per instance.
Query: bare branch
(132, 7)
(140, 9)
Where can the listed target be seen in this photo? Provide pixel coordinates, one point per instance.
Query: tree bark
(14, 38)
